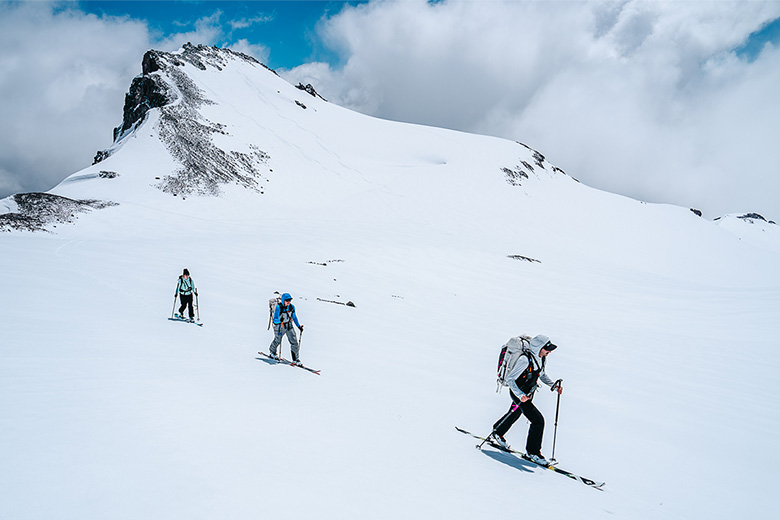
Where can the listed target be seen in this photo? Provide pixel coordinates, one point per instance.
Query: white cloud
(260, 52)
(63, 79)
(244, 23)
(642, 98)
(207, 31)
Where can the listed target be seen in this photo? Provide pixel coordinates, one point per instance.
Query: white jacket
(522, 363)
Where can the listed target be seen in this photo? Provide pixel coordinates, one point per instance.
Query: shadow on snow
(510, 460)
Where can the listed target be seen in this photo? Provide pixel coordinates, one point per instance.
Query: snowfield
(448, 244)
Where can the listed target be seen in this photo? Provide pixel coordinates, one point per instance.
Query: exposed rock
(146, 92)
(525, 258)
(102, 154)
(539, 158)
(540, 161)
(308, 88)
(300, 104)
(107, 174)
(696, 212)
(513, 176)
(348, 304)
(750, 217)
(35, 211)
(326, 262)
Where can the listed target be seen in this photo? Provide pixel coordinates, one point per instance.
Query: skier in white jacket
(523, 382)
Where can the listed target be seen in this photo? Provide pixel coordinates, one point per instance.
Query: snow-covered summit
(753, 229)
(201, 119)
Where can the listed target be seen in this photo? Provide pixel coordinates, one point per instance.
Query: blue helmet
(286, 296)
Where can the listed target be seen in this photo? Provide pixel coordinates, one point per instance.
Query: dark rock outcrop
(102, 154)
(749, 217)
(310, 90)
(524, 258)
(514, 177)
(146, 92)
(38, 210)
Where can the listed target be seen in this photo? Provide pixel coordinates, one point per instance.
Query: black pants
(186, 301)
(533, 444)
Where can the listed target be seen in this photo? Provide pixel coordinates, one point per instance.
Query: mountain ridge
(209, 154)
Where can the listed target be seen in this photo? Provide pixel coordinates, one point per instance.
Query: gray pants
(279, 332)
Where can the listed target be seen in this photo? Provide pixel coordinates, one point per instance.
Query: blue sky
(286, 28)
(659, 100)
(769, 33)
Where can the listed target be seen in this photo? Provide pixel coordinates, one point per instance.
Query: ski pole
(479, 446)
(500, 423)
(174, 305)
(197, 308)
(557, 409)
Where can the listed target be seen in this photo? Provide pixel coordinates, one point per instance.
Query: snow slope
(666, 322)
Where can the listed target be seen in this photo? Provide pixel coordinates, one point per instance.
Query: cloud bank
(646, 99)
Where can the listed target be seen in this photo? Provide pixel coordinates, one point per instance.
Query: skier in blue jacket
(284, 317)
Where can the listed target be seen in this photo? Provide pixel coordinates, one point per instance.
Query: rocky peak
(165, 84)
(150, 90)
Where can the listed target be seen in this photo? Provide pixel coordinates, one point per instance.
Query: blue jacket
(285, 313)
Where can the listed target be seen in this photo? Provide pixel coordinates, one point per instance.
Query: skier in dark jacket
(284, 317)
(184, 289)
(523, 382)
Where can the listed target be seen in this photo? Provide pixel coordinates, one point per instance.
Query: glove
(300, 328)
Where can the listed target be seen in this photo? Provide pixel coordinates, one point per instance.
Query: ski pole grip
(556, 385)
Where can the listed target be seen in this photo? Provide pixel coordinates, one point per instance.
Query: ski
(491, 443)
(185, 320)
(290, 363)
(524, 456)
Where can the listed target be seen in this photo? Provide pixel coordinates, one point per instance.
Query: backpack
(275, 300)
(513, 350)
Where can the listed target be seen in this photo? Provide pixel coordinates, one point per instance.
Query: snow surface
(667, 326)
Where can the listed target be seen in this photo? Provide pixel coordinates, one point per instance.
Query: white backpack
(275, 300)
(510, 353)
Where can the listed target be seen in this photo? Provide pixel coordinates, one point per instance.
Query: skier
(522, 384)
(284, 317)
(184, 289)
